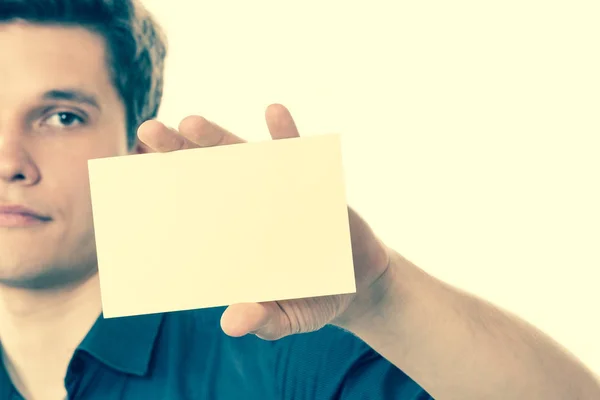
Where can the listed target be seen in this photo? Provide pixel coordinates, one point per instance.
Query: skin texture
(43, 159)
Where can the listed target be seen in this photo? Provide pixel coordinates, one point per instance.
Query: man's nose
(16, 164)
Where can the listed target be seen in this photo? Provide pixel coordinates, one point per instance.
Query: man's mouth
(18, 216)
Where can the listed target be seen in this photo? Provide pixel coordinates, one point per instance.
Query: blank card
(209, 227)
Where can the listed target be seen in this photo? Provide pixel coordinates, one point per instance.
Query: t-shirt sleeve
(334, 364)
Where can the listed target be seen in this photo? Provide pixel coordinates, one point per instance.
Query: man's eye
(64, 120)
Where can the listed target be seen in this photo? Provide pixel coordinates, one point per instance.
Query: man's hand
(274, 320)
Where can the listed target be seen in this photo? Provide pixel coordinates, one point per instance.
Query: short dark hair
(136, 45)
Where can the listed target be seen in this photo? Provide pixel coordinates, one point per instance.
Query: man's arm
(452, 344)
(460, 347)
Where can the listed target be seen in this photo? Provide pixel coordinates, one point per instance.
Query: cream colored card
(210, 227)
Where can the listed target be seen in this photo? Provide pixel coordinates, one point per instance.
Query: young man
(77, 79)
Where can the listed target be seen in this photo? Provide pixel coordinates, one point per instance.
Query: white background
(470, 128)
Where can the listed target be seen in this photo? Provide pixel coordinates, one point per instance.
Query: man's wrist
(383, 302)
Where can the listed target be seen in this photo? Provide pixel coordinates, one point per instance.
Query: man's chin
(43, 277)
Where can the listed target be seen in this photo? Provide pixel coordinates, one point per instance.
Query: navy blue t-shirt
(185, 355)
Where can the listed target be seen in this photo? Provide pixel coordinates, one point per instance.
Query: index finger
(204, 133)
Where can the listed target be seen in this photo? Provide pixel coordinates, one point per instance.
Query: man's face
(58, 109)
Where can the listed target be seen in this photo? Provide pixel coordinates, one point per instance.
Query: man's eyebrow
(72, 95)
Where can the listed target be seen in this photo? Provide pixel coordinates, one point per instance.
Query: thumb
(265, 320)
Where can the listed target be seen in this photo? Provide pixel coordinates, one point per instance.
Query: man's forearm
(457, 346)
